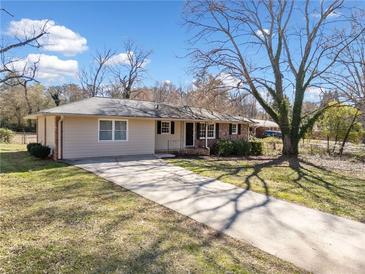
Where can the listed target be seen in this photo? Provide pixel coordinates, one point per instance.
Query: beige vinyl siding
(40, 130)
(170, 141)
(80, 138)
(50, 131)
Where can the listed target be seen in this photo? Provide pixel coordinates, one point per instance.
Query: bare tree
(8, 70)
(56, 93)
(210, 92)
(130, 70)
(261, 44)
(29, 73)
(93, 78)
(167, 92)
(349, 77)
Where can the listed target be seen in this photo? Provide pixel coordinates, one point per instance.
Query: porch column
(56, 139)
(206, 135)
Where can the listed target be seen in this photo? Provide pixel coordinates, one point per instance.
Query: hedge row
(38, 150)
(237, 148)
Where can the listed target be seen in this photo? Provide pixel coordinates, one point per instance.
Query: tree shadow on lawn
(22, 161)
(109, 229)
(321, 186)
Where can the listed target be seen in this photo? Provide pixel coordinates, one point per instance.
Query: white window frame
(203, 125)
(169, 123)
(235, 132)
(113, 130)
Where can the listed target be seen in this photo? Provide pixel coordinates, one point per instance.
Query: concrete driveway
(310, 239)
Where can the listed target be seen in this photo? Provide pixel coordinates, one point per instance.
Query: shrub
(241, 148)
(225, 147)
(256, 148)
(40, 151)
(274, 140)
(214, 149)
(6, 135)
(30, 145)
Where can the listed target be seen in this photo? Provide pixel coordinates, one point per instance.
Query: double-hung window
(113, 130)
(210, 131)
(120, 130)
(165, 127)
(105, 130)
(234, 129)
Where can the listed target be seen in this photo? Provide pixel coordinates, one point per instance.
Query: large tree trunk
(290, 145)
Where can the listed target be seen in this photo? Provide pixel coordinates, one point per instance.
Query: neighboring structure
(259, 127)
(109, 127)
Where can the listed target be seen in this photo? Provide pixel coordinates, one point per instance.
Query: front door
(189, 134)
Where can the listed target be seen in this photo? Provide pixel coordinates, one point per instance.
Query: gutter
(34, 116)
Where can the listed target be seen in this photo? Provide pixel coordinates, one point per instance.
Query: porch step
(165, 155)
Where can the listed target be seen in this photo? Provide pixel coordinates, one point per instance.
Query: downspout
(206, 135)
(248, 131)
(60, 138)
(45, 131)
(37, 127)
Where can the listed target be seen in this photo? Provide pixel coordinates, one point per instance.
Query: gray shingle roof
(132, 108)
(264, 123)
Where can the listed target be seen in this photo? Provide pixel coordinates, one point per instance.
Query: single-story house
(102, 126)
(259, 127)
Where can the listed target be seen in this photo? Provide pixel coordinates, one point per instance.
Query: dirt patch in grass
(326, 186)
(351, 167)
(58, 218)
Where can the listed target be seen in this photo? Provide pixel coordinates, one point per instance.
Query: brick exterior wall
(224, 134)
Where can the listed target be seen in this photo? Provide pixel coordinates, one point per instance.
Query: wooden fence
(24, 138)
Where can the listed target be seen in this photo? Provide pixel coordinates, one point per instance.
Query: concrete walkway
(310, 239)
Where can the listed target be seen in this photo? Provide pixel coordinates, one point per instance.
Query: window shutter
(172, 127)
(239, 129)
(158, 127)
(197, 131)
(217, 130)
(230, 129)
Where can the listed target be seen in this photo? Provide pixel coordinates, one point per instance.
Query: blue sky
(81, 28)
(155, 26)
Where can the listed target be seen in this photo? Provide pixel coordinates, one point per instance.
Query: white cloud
(121, 58)
(261, 33)
(167, 82)
(333, 14)
(312, 94)
(49, 66)
(58, 38)
(228, 80)
(315, 90)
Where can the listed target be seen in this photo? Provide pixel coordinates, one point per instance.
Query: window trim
(236, 131)
(203, 124)
(169, 122)
(113, 131)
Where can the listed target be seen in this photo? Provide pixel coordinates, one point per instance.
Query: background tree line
(208, 93)
(324, 51)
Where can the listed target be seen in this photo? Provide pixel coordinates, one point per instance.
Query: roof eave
(36, 115)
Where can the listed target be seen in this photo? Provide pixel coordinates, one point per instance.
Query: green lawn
(329, 190)
(57, 218)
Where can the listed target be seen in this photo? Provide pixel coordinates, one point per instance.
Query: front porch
(195, 138)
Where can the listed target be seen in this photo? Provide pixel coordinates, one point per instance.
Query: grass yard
(58, 218)
(326, 189)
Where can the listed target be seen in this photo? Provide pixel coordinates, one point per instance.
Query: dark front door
(189, 134)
